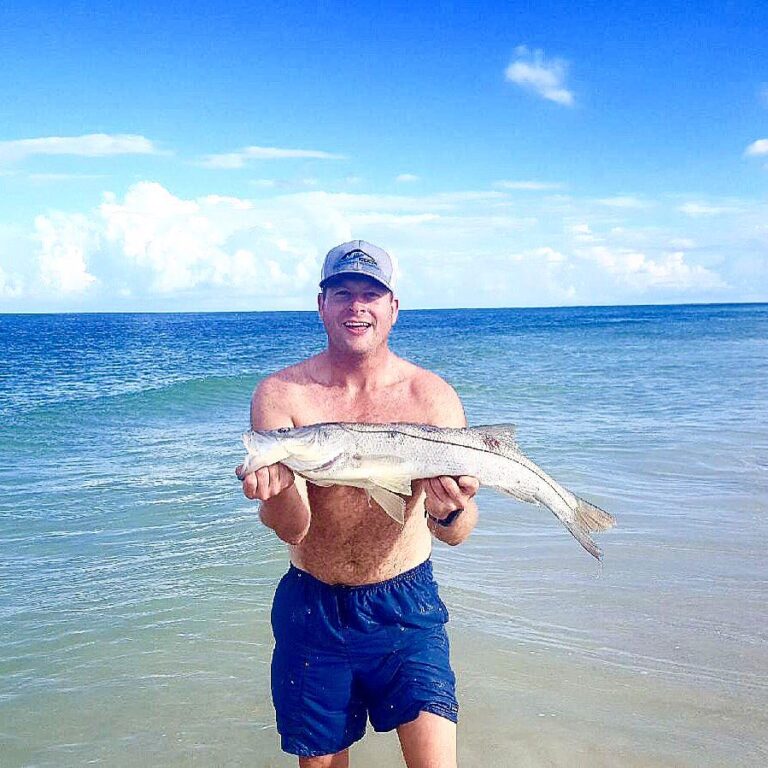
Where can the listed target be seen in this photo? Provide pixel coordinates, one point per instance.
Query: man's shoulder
(295, 375)
(424, 381)
(439, 400)
(278, 395)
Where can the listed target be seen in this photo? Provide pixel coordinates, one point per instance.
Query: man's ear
(395, 309)
(320, 303)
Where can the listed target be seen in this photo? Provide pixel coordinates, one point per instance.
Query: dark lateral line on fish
(541, 477)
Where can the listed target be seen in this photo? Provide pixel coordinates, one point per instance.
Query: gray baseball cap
(358, 257)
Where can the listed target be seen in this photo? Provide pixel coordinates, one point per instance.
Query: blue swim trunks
(345, 654)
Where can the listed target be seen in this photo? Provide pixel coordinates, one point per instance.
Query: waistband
(421, 571)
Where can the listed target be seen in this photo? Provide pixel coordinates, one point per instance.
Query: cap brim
(354, 273)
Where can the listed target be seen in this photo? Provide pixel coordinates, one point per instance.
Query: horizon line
(34, 313)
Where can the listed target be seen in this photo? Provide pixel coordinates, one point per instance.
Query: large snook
(383, 459)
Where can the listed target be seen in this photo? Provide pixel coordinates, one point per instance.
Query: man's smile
(357, 326)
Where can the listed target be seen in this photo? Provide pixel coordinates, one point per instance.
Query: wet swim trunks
(344, 654)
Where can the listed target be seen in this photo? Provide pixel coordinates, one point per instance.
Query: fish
(384, 459)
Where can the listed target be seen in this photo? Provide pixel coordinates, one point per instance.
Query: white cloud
(150, 248)
(406, 178)
(544, 253)
(286, 184)
(757, 148)
(65, 242)
(154, 243)
(682, 243)
(241, 157)
(533, 186)
(703, 209)
(397, 220)
(10, 286)
(639, 271)
(582, 233)
(624, 201)
(55, 177)
(90, 145)
(533, 72)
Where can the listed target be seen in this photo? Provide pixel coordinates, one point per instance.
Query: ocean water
(135, 579)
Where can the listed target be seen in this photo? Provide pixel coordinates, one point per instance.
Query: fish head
(300, 448)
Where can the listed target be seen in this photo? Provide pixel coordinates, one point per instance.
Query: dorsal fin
(502, 433)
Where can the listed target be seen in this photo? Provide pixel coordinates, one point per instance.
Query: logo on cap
(357, 255)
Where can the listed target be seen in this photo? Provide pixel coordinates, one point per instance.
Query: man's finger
(265, 482)
(469, 485)
(438, 490)
(274, 479)
(249, 486)
(452, 491)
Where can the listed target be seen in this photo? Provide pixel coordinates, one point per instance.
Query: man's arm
(446, 494)
(284, 505)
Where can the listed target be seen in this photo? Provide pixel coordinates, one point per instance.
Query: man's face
(358, 313)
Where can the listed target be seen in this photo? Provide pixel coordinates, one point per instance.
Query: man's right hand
(266, 482)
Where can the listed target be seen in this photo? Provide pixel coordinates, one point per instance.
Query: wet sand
(529, 708)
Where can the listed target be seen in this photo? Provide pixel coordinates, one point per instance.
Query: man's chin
(359, 346)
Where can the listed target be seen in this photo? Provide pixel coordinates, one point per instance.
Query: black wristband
(448, 520)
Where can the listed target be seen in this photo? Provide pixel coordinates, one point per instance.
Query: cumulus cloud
(670, 271)
(154, 243)
(65, 242)
(89, 145)
(533, 72)
(757, 148)
(460, 248)
(213, 241)
(239, 158)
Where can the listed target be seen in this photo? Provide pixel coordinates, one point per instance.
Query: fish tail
(592, 518)
(588, 518)
(581, 535)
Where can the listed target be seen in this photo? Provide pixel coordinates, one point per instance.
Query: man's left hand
(446, 494)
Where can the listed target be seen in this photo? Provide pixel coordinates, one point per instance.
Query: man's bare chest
(324, 405)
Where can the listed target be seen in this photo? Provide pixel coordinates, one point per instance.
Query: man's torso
(351, 540)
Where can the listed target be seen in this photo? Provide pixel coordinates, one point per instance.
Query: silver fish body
(383, 459)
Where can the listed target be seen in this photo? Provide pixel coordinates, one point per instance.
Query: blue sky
(205, 156)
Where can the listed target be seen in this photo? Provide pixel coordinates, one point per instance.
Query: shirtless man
(359, 626)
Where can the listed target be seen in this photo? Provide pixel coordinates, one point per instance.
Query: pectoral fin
(396, 483)
(390, 502)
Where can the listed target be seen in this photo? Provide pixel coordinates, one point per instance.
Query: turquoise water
(135, 579)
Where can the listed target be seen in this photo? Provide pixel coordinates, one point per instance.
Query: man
(359, 626)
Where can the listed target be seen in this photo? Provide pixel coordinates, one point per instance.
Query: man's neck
(358, 372)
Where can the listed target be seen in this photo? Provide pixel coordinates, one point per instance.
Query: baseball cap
(358, 257)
